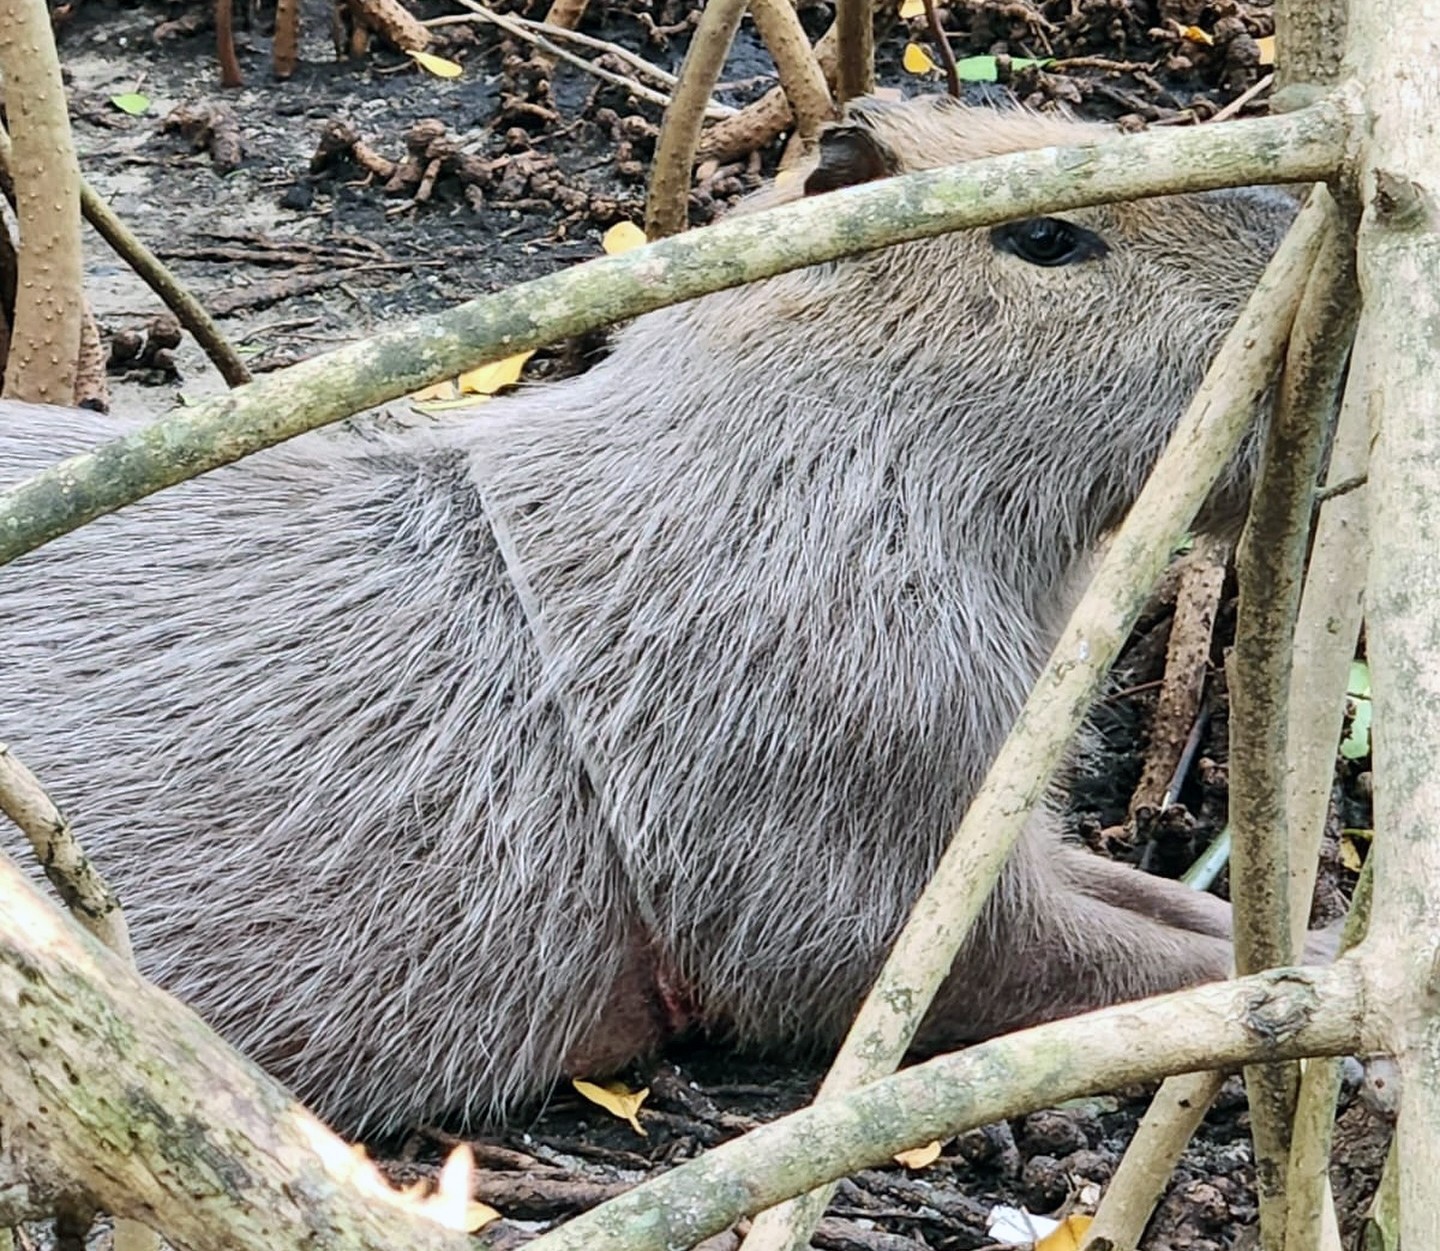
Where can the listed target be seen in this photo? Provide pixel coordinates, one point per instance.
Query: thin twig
(1063, 63)
(1240, 101)
(188, 310)
(512, 26)
(662, 76)
(1208, 864)
(70, 871)
(1144, 1171)
(947, 53)
(1171, 795)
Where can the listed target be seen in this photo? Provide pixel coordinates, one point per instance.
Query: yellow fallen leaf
(1266, 44)
(1350, 843)
(1196, 35)
(488, 379)
(917, 60)
(622, 237)
(919, 1157)
(440, 391)
(911, 8)
(1066, 1236)
(431, 408)
(478, 1215)
(436, 65)
(617, 1099)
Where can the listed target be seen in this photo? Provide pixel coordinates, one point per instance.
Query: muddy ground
(301, 253)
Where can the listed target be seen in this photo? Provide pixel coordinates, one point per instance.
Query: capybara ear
(850, 153)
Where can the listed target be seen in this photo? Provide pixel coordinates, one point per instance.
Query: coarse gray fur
(433, 765)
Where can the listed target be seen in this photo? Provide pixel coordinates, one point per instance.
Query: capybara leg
(1172, 903)
(1070, 953)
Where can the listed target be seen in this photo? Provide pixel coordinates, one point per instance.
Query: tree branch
(1398, 183)
(1270, 568)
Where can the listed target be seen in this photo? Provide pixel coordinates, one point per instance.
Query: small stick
(70, 871)
(1134, 1191)
(664, 77)
(947, 53)
(1197, 598)
(619, 80)
(1240, 101)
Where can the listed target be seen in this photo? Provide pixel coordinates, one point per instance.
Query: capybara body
(434, 764)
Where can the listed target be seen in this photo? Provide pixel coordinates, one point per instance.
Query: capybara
(433, 764)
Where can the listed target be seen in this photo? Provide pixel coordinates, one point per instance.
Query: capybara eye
(1048, 241)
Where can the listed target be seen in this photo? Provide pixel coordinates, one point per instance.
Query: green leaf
(132, 102)
(1356, 743)
(986, 69)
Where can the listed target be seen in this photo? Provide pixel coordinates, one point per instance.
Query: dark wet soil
(301, 251)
